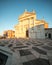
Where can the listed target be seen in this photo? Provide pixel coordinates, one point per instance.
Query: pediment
(26, 14)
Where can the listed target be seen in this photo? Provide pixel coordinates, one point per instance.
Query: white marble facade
(37, 32)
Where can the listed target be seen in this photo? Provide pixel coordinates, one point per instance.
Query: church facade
(26, 21)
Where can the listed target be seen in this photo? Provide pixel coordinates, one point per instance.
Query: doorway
(27, 33)
(49, 35)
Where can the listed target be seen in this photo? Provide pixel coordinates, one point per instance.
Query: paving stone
(29, 50)
(20, 47)
(23, 59)
(10, 45)
(27, 43)
(37, 62)
(47, 47)
(39, 50)
(30, 57)
(24, 52)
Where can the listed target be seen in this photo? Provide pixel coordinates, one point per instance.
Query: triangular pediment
(26, 14)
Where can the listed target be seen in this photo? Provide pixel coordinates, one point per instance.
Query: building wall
(27, 20)
(5, 34)
(37, 32)
(9, 34)
(48, 33)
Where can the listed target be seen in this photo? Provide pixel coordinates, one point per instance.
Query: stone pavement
(30, 51)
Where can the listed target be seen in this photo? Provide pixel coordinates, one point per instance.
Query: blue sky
(10, 10)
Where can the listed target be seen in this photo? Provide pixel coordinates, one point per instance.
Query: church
(29, 26)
